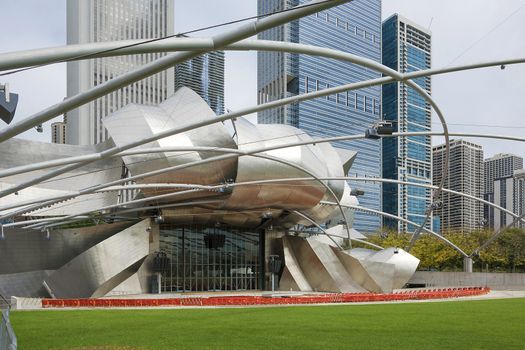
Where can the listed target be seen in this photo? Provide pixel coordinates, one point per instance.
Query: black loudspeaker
(161, 262)
(214, 241)
(8, 109)
(274, 264)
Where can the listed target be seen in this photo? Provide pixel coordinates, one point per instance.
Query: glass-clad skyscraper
(204, 75)
(406, 48)
(353, 27)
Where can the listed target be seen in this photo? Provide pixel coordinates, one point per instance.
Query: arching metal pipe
(378, 212)
(95, 156)
(216, 42)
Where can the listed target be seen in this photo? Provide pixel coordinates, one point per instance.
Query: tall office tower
(111, 20)
(406, 48)
(509, 193)
(353, 27)
(204, 75)
(58, 132)
(499, 166)
(459, 213)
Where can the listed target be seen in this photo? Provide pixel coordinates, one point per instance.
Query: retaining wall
(493, 280)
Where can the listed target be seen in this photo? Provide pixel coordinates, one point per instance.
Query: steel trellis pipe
(27, 58)
(298, 48)
(70, 160)
(329, 53)
(236, 153)
(382, 180)
(446, 159)
(443, 70)
(496, 235)
(232, 154)
(319, 227)
(356, 207)
(217, 42)
(346, 178)
(256, 182)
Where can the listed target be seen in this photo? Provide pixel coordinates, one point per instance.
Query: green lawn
(491, 324)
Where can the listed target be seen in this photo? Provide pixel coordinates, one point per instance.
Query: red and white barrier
(246, 300)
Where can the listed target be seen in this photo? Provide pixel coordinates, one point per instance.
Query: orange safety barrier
(438, 293)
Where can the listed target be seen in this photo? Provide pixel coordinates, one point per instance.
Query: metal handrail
(5, 301)
(8, 339)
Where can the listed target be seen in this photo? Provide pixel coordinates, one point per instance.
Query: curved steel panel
(104, 266)
(185, 107)
(293, 195)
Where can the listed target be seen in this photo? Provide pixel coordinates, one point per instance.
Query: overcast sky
(465, 31)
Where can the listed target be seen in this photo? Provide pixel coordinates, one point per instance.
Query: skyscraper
(204, 75)
(110, 20)
(509, 193)
(499, 166)
(58, 132)
(353, 27)
(406, 48)
(465, 175)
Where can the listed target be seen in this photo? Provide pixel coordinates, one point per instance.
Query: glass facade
(203, 258)
(205, 76)
(406, 48)
(354, 28)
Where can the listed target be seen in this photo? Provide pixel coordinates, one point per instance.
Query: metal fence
(7, 334)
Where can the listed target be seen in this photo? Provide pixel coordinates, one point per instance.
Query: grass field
(490, 324)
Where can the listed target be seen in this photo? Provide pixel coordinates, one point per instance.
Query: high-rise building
(406, 48)
(509, 193)
(458, 213)
(204, 75)
(353, 27)
(58, 132)
(111, 20)
(499, 166)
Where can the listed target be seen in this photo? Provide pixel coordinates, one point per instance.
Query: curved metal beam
(378, 212)
(28, 58)
(496, 235)
(318, 226)
(96, 156)
(252, 183)
(382, 180)
(370, 63)
(132, 210)
(233, 153)
(287, 46)
(231, 115)
(50, 54)
(446, 159)
(443, 70)
(330, 235)
(216, 42)
(346, 178)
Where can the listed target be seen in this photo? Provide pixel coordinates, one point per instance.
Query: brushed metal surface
(24, 284)
(380, 271)
(28, 250)
(17, 152)
(185, 107)
(292, 277)
(312, 265)
(106, 265)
